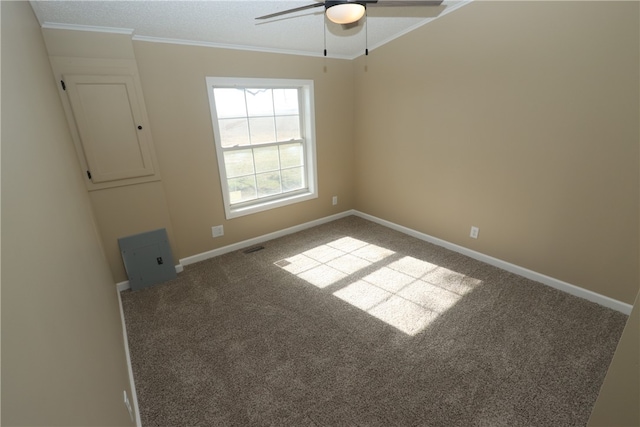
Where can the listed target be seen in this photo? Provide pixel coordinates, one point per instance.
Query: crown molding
(95, 29)
(235, 47)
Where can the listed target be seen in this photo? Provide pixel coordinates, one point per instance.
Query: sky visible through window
(402, 291)
(257, 116)
(260, 132)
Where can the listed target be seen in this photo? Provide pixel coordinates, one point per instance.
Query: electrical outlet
(474, 232)
(334, 200)
(128, 404)
(217, 231)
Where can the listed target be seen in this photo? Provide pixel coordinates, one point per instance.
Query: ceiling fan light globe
(345, 13)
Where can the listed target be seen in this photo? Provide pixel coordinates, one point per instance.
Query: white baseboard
(520, 271)
(250, 242)
(123, 286)
(132, 384)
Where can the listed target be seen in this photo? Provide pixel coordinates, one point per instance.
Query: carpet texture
(354, 324)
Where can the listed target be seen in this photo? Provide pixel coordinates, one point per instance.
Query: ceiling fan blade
(295, 9)
(405, 3)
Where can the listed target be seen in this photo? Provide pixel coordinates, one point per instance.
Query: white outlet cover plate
(217, 231)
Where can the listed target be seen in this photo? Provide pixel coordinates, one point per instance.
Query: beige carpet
(353, 324)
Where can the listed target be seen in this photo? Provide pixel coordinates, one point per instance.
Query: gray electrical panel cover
(147, 258)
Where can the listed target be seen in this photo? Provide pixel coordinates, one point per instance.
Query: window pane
(288, 127)
(233, 132)
(229, 103)
(264, 142)
(262, 130)
(241, 189)
(259, 102)
(292, 179)
(291, 155)
(266, 159)
(238, 163)
(268, 184)
(285, 101)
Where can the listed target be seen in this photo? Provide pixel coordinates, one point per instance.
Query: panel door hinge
(64, 86)
(89, 174)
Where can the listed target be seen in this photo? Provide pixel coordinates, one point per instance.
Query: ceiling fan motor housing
(341, 14)
(345, 11)
(330, 3)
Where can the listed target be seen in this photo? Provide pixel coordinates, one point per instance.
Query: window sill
(232, 212)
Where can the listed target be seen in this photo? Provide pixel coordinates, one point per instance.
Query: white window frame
(308, 134)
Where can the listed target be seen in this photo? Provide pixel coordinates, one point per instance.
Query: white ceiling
(231, 24)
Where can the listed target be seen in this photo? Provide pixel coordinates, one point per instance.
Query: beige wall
(128, 210)
(531, 137)
(188, 199)
(520, 118)
(618, 403)
(123, 210)
(63, 360)
(173, 81)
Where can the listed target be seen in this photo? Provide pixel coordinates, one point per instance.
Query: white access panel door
(109, 121)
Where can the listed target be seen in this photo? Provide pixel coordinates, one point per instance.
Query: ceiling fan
(350, 11)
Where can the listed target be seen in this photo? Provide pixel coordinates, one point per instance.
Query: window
(265, 142)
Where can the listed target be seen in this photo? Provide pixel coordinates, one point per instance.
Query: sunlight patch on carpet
(322, 276)
(327, 264)
(363, 295)
(406, 293)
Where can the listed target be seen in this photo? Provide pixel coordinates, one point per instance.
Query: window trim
(307, 112)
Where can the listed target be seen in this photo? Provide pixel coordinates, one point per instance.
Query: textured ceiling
(232, 24)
